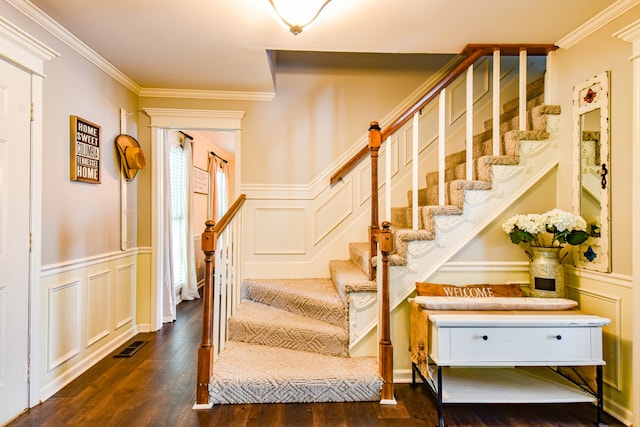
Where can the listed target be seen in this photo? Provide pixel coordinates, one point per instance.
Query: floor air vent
(131, 349)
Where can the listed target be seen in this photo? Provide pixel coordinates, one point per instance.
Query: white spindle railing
(416, 177)
(227, 283)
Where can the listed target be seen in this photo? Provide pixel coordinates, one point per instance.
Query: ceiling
(234, 46)
(222, 45)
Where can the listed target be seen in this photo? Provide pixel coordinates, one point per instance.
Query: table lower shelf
(509, 385)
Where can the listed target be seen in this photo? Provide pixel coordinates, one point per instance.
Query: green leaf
(519, 236)
(577, 237)
(562, 237)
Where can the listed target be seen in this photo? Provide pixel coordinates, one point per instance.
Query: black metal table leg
(600, 396)
(440, 408)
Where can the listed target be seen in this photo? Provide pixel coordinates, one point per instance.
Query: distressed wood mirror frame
(592, 170)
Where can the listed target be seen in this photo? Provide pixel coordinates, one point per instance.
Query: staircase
(289, 340)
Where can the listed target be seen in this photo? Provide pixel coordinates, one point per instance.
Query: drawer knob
(558, 337)
(484, 337)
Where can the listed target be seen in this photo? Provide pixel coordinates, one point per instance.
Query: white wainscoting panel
(98, 312)
(332, 212)
(64, 323)
(364, 189)
(90, 307)
(279, 231)
(125, 294)
(611, 308)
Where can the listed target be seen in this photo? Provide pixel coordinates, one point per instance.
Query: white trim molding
(631, 34)
(600, 20)
(206, 94)
(23, 50)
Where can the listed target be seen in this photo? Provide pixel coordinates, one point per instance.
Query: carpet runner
(288, 342)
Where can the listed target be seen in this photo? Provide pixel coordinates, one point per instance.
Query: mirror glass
(591, 164)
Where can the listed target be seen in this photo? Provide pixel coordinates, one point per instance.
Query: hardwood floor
(156, 387)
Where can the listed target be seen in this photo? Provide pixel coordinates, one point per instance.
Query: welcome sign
(85, 151)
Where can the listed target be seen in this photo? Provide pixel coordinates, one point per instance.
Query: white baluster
(523, 91)
(387, 181)
(469, 160)
(496, 102)
(550, 80)
(414, 175)
(441, 146)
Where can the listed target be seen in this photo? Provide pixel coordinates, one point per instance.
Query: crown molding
(600, 20)
(206, 94)
(45, 21)
(20, 48)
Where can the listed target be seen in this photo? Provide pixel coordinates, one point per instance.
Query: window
(178, 220)
(221, 194)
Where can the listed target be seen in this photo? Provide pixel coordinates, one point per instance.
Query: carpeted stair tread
(314, 298)
(349, 278)
(246, 373)
(257, 323)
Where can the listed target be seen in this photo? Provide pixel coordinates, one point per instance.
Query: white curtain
(219, 193)
(190, 286)
(168, 292)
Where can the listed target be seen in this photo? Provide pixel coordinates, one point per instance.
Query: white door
(15, 152)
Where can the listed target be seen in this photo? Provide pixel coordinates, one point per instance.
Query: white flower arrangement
(550, 229)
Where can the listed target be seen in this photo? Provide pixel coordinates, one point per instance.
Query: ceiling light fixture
(297, 14)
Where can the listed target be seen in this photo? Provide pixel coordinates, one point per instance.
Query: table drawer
(497, 344)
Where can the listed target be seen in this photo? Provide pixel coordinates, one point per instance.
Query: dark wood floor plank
(156, 387)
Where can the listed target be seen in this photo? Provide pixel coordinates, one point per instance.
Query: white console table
(519, 349)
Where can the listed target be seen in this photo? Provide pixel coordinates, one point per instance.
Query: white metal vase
(546, 273)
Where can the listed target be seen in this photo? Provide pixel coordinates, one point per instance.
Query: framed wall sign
(85, 151)
(200, 181)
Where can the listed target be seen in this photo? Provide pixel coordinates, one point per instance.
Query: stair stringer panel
(481, 207)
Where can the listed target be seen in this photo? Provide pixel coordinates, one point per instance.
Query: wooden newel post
(205, 352)
(385, 240)
(375, 141)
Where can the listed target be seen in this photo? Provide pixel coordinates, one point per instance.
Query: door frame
(631, 34)
(177, 119)
(28, 53)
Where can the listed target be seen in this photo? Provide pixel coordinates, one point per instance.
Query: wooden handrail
(206, 350)
(471, 53)
(229, 214)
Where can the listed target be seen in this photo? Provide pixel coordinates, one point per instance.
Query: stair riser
(295, 391)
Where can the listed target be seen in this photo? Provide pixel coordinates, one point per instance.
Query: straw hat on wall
(131, 155)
